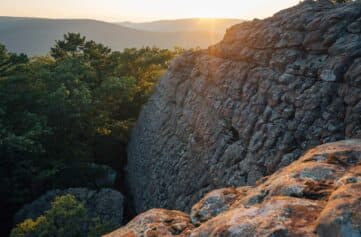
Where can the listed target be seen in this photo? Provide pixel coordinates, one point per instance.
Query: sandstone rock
(278, 216)
(105, 203)
(216, 202)
(240, 110)
(316, 196)
(156, 222)
(342, 214)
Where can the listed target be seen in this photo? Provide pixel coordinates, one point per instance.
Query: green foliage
(72, 45)
(53, 109)
(9, 62)
(57, 106)
(28, 228)
(66, 218)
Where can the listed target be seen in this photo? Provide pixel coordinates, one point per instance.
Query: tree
(67, 103)
(9, 62)
(98, 57)
(20, 126)
(72, 45)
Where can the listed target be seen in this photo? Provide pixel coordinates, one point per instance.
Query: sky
(143, 10)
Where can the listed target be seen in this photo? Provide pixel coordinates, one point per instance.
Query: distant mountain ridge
(35, 36)
(187, 25)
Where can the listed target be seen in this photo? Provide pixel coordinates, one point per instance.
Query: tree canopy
(53, 108)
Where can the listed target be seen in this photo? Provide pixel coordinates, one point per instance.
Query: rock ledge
(317, 195)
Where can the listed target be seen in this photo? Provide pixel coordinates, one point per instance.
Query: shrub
(67, 218)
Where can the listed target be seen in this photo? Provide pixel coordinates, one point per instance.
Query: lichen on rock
(287, 203)
(156, 222)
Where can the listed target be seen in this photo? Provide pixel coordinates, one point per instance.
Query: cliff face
(229, 115)
(317, 195)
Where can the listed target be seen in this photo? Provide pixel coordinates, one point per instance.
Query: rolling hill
(184, 25)
(35, 36)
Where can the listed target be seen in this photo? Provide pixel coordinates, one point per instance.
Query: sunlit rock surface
(157, 222)
(317, 195)
(232, 114)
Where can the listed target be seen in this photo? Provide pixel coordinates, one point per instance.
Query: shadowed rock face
(253, 103)
(317, 195)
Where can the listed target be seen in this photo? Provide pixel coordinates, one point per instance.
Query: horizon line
(125, 21)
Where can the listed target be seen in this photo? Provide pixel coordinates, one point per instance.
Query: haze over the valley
(35, 36)
(143, 10)
(33, 26)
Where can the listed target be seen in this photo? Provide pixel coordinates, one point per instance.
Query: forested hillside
(58, 111)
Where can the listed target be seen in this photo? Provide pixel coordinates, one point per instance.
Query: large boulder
(316, 196)
(240, 110)
(107, 204)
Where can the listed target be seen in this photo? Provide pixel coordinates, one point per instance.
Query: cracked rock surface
(253, 103)
(156, 222)
(317, 195)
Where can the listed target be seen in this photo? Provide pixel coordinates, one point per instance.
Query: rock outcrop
(232, 114)
(317, 195)
(107, 204)
(157, 222)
